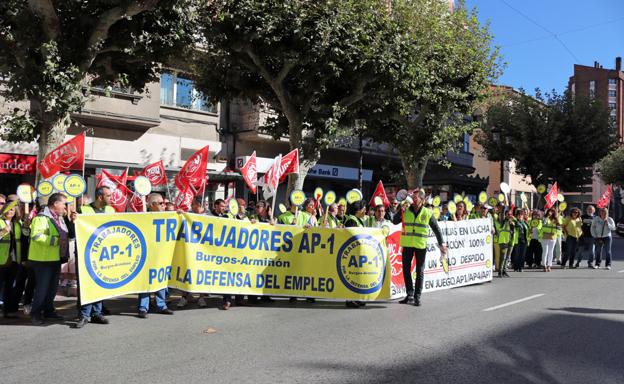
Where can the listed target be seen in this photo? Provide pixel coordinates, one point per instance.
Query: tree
(443, 76)
(310, 61)
(611, 167)
(50, 51)
(553, 138)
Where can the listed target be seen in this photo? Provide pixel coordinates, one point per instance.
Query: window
(573, 89)
(612, 81)
(612, 106)
(592, 88)
(178, 91)
(611, 93)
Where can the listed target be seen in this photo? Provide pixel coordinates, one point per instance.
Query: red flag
(184, 199)
(606, 198)
(250, 173)
(289, 164)
(381, 192)
(193, 172)
(117, 185)
(551, 197)
(155, 173)
(66, 157)
(136, 203)
(272, 176)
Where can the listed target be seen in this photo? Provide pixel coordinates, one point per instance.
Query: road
(559, 327)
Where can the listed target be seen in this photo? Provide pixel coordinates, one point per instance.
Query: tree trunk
(414, 172)
(52, 129)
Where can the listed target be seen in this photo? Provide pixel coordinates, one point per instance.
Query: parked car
(619, 227)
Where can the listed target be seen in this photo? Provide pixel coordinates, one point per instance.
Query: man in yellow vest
(48, 245)
(417, 219)
(93, 312)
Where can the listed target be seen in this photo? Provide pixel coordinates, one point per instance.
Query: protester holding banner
(355, 218)
(155, 203)
(48, 247)
(262, 214)
(573, 229)
(342, 212)
(533, 257)
(549, 237)
(601, 229)
(378, 219)
(506, 230)
(10, 257)
(417, 220)
(242, 210)
(332, 217)
(94, 312)
(311, 209)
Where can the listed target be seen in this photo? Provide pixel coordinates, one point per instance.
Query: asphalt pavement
(566, 326)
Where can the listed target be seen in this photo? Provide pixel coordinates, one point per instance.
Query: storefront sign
(17, 164)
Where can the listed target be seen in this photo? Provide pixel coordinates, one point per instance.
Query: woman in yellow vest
(48, 245)
(573, 229)
(549, 231)
(505, 229)
(534, 251)
(10, 257)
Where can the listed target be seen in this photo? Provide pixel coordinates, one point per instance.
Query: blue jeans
(603, 243)
(46, 283)
(161, 302)
(93, 309)
(586, 245)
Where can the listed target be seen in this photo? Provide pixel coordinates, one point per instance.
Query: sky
(541, 40)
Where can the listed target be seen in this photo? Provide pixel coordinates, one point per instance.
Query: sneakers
(202, 302)
(407, 300)
(82, 322)
(608, 267)
(165, 311)
(27, 308)
(142, 314)
(99, 319)
(417, 301)
(596, 266)
(182, 302)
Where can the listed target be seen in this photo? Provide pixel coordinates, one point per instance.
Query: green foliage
(49, 51)
(445, 70)
(553, 138)
(311, 61)
(611, 167)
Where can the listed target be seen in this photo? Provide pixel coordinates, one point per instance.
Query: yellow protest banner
(206, 254)
(119, 253)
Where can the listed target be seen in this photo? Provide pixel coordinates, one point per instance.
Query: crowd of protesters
(34, 247)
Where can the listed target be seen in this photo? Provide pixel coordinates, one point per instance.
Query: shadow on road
(559, 348)
(589, 310)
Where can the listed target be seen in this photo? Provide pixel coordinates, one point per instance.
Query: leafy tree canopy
(611, 167)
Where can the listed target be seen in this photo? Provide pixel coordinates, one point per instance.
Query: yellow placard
(501, 197)
(466, 200)
(143, 186)
(70, 199)
(131, 253)
(353, 196)
(457, 198)
(560, 198)
(282, 208)
(59, 182)
(563, 206)
(330, 197)
(45, 188)
(452, 208)
(233, 206)
(318, 193)
(74, 185)
(523, 197)
(469, 206)
(436, 201)
(297, 198)
(541, 188)
(342, 202)
(492, 201)
(436, 212)
(25, 193)
(378, 201)
(483, 197)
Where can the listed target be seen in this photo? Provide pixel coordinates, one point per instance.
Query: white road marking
(513, 302)
(622, 271)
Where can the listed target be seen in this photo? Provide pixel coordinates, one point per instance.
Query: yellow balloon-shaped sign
(436, 201)
(75, 185)
(436, 212)
(45, 188)
(143, 186)
(492, 201)
(541, 188)
(353, 196)
(560, 198)
(452, 208)
(483, 197)
(282, 208)
(457, 198)
(501, 197)
(59, 182)
(330, 197)
(25, 193)
(342, 202)
(469, 206)
(563, 206)
(233, 206)
(297, 197)
(378, 200)
(318, 193)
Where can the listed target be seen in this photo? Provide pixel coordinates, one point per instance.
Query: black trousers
(534, 253)
(24, 284)
(8, 273)
(407, 255)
